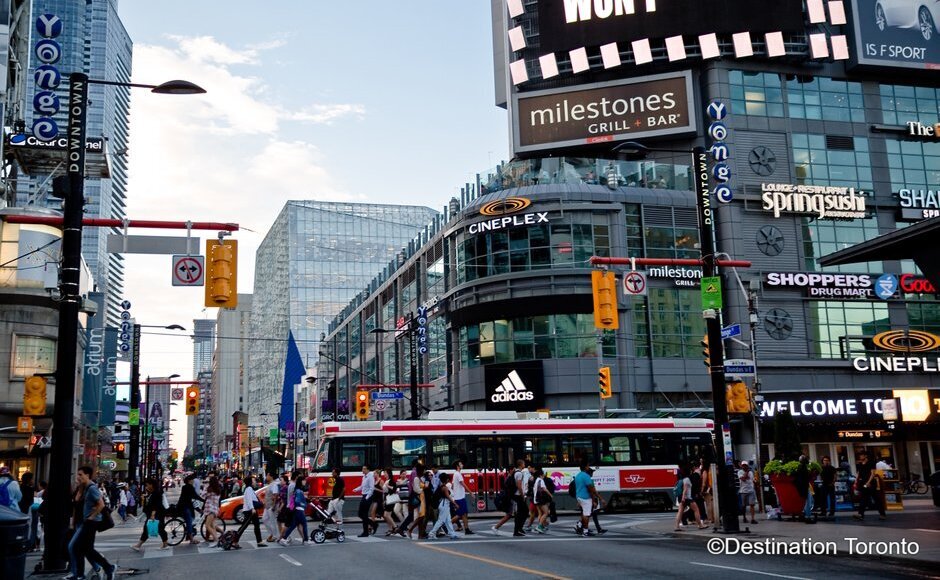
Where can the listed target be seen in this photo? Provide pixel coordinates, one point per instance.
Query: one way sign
(189, 270)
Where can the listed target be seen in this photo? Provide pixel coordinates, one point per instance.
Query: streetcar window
(576, 449)
(540, 451)
(691, 448)
(655, 449)
(446, 452)
(615, 449)
(358, 452)
(406, 451)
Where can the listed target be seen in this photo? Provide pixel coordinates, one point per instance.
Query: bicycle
(176, 528)
(915, 485)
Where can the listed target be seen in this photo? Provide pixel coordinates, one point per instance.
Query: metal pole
(134, 462)
(725, 481)
(602, 405)
(752, 320)
(60, 473)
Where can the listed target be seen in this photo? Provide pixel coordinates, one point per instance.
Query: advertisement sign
(604, 112)
(825, 285)
(904, 343)
(813, 200)
(568, 24)
(637, 478)
(919, 204)
(921, 405)
(604, 479)
(516, 386)
(896, 33)
(47, 78)
(683, 276)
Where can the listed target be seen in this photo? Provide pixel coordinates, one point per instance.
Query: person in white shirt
(122, 502)
(367, 488)
(250, 505)
(269, 517)
(460, 498)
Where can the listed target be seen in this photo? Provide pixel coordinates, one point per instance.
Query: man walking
(272, 497)
(867, 483)
(459, 496)
(827, 490)
(338, 498)
(366, 488)
(586, 494)
(746, 490)
(82, 545)
(521, 477)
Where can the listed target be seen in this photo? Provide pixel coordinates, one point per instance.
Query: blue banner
(293, 371)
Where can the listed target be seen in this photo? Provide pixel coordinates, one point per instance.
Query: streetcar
(635, 461)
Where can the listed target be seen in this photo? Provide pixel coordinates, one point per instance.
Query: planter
(791, 503)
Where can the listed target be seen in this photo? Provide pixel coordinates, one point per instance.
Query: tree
(786, 437)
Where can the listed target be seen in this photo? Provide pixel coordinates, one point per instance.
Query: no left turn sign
(189, 270)
(634, 283)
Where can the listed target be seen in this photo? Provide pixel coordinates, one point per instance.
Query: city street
(635, 546)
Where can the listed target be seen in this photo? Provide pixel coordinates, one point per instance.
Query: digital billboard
(604, 112)
(569, 24)
(897, 33)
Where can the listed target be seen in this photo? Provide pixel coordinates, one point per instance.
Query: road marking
(291, 560)
(926, 530)
(748, 570)
(494, 562)
(573, 538)
(367, 540)
(158, 553)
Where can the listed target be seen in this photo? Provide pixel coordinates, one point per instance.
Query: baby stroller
(326, 528)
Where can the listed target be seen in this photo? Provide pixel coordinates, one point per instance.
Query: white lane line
(291, 560)
(541, 539)
(158, 553)
(926, 530)
(367, 540)
(749, 571)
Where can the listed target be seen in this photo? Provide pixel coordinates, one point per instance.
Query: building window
(31, 355)
(437, 348)
(819, 164)
(756, 93)
(924, 316)
(676, 323)
(826, 99)
(840, 327)
(435, 276)
(901, 105)
(913, 164)
(408, 294)
(823, 237)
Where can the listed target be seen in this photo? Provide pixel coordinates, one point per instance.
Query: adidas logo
(512, 389)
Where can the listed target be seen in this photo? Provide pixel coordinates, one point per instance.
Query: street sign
(376, 396)
(740, 367)
(189, 270)
(481, 505)
(711, 293)
(133, 417)
(380, 404)
(634, 284)
(24, 425)
(45, 442)
(177, 394)
(729, 331)
(120, 244)
(274, 436)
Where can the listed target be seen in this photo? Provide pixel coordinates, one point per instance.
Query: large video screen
(897, 33)
(569, 24)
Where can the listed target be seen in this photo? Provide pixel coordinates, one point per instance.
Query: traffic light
(604, 287)
(192, 400)
(34, 395)
(221, 274)
(606, 388)
(738, 398)
(706, 352)
(119, 449)
(362, 405)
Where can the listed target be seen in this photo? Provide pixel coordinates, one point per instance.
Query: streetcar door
(494, 456)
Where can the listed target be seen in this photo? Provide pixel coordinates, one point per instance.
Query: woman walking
(298, 506)
(122, 502)
(445, 501)
(185, 505)
(154, 509)
(250, 507)
(211, 509)
(420, 484)
(543, 498)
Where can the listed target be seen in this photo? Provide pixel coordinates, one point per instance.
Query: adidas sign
(512, 389)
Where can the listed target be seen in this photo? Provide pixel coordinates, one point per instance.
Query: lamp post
(60, 473)
(716, 364)
(413, 370)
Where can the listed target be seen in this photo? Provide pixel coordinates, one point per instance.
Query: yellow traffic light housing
(34, 395)
(221, 274)
(706, 352)
(604, 384)
(604, 287)
(192, 400)
(738, 398)
(362, 405)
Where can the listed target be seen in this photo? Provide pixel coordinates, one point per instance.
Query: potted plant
(782, 478)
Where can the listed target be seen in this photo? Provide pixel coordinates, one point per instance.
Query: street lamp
(60, 476)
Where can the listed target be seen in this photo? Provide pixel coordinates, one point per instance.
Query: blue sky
(386, 102)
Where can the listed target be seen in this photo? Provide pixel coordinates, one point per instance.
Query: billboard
(897, 33)
(604, 112)
(568, 24)
(518, 386)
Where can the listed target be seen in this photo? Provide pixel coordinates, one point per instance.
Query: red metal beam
(394, 386)
(113, 223)
(599, 261)
(156, 383)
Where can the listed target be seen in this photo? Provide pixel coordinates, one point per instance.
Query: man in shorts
(746, 490)
(459, 494)
(586, 494)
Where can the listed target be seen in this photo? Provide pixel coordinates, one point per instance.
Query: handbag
(152, 528)
(257, 505)
(166, 502)
(107, 522)
(392, 499)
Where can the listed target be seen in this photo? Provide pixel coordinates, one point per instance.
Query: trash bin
(14, 535)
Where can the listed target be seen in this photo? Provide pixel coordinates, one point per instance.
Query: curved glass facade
(588, 171)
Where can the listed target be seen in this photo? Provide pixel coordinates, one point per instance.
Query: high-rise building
(230, 371)
(95, 42)
(203, 349)
(314, 259)
(203, 344)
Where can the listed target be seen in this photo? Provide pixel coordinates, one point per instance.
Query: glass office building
(314, 259)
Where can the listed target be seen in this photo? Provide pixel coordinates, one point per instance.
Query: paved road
(626, 551)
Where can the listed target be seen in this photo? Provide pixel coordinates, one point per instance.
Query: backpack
(677, 490)
(550, 484)
(509, 484)
(5, 493)
(530, 488)
(573, 489)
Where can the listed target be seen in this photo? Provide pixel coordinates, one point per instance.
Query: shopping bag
(152, 528)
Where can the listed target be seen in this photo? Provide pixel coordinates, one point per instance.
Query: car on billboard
(924, 15)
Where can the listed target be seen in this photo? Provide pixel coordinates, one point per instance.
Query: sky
(382, 102)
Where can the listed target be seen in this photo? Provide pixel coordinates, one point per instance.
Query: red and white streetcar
(635, 459)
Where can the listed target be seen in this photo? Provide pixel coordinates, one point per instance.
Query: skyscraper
(314, 259)
(230, 370)
(203, 344)
(203, 349)
(93, 41)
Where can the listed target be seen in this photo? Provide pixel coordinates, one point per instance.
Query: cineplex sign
(905, 353)
(604, 112)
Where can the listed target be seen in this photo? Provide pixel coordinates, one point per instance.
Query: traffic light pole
(60, 473)
(602, 403)
(134, 460)
(725, 484)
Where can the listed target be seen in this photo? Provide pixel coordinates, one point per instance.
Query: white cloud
(326, 114)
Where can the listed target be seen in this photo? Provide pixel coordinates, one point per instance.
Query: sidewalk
(919, 522)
